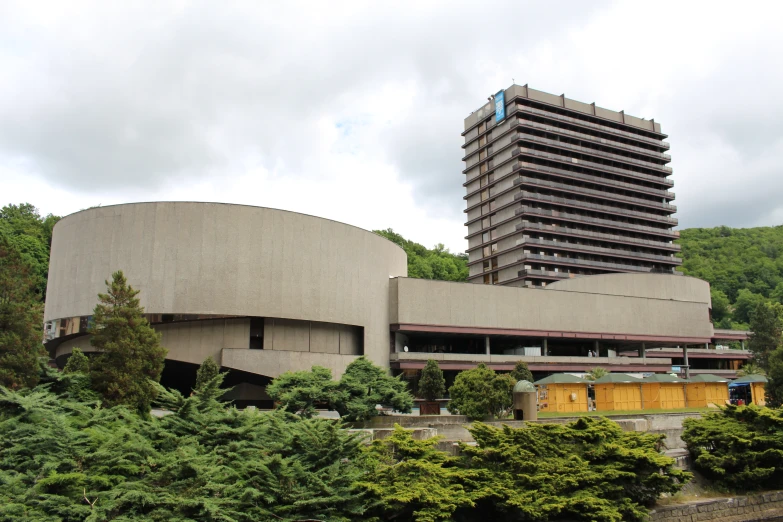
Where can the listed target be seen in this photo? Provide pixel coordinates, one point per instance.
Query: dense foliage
(589, 469)
(63, 458)
(743, 266)
(766, 343)
(21, 316)
(432, 384)
(205, 373)
(355, 397)
(480, 393)
(131, 358)
(424, 263)
(77, 363)
(740, 448)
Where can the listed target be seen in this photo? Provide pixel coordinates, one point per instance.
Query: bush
(480, 392)
(740, 448)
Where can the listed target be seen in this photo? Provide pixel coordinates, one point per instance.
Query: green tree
(750, 368)
(363, 386)
(766, 327)
(596, 373)
(521, 372)
(21, 316)
(738, 448)
(721, 306)
(131, 358)
(480, 392)
(77, 363)
(424, 263)
(301, 392)
(773, 390)
(747, 303)
(208, 370)
(432, 385)
(30, 235)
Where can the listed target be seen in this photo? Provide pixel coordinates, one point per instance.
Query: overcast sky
(353, 111)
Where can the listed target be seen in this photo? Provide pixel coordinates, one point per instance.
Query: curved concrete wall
(652, 286)
(210, 258)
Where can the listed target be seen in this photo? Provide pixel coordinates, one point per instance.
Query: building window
(485, 264)
(485, 251)
(495, 278)
(485, 223)
(484, 195)
(482, 127)
(485, 237)
(494, 262)
(486, 279)
(494, 247)
(483, 168)
(484, 210)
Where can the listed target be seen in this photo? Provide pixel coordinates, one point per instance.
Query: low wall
(765, 506)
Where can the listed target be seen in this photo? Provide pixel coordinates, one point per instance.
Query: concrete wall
(653, 286)
(441, 303)
(209, 258)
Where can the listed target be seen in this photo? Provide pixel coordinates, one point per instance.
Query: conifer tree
(77, 363)
(20, 321)
(205, 373)
(364, 386)
(301, 392)
(432, 385)
(481, 392)
(131, 358)
(521, 372)
(766, 327)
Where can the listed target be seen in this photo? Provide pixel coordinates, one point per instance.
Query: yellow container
(617, 391)
(705, 389)
(562, 393)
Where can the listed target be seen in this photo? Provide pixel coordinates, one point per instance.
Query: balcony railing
(587, 263)
(596, 126)
(591, 165)
(594, 152)
(597, 208)
(594, 139)
(545, 273)
(558, 229)
(597, 193)
(599, 250)
(590, 178)
(556, 214)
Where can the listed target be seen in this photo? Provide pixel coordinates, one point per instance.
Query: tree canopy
(521, 372)
(432, 384)
(480, 392)
(436, 263)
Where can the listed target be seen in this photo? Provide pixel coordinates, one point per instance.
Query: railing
(595, 139)
(596, 126)
(593, 206)
(545, 273)
(599, 250)
(596, 221)
(597, 193)
(586, 263)
(590, 164)
(594, 152)
(589, 178)
(557, 229)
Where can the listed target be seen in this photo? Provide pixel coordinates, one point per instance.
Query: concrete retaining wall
(766, 506)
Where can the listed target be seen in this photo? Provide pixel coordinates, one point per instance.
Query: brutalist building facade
(558, 188)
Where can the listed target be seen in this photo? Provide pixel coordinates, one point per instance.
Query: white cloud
(353, 110)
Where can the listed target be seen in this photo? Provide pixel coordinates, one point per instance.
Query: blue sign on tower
(500, 106)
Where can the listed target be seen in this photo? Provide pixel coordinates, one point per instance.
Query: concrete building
(558, 188)
(266, 291)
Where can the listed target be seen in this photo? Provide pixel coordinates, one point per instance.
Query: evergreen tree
(363, 386)
(432, 385)
(77, 363)
(521, 372)
(766, 327)
(773, 390)
(131, 358)
(205, 373)
(301, 392)
(480, 392)
(21, 317)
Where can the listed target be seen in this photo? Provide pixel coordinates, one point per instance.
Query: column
(597, 349)
(643, 353)
(486, 344)
(685, 361)
(544, 348)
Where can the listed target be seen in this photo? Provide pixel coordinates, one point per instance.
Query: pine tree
(301, 392)
(131, 358)
(766, 327)
(77, 363)
(205, 373)
(21, 318)
(432, 385)
(521, 372)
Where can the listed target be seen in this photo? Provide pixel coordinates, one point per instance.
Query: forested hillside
(743, 266)
(424, 263)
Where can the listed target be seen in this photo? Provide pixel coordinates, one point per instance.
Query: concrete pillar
(742, 343)
(544, 348)
(685, 361)
(644, 352)
(597, 349)
(486, 344)
(707, 346)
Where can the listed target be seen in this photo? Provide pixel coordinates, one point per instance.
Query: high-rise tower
(558, 188)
